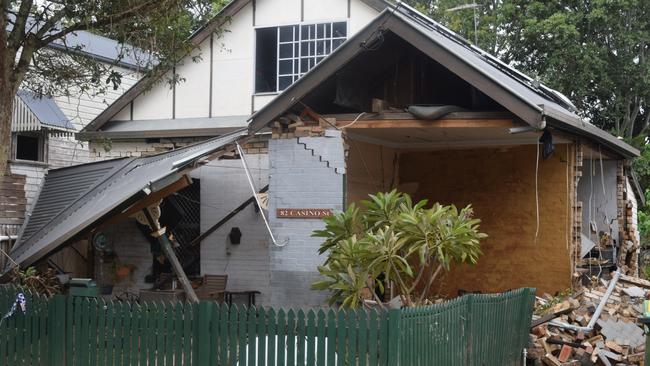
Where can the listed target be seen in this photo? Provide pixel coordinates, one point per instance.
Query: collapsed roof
(75, 199)
(531, 101)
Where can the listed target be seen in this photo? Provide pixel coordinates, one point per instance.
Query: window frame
(297, 40)
(42, 146)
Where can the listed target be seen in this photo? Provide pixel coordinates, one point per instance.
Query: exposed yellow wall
(500, 185)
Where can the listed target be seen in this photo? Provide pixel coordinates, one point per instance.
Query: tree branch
(431, 279)
(117, 18)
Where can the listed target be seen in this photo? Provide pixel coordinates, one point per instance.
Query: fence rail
(471, 330)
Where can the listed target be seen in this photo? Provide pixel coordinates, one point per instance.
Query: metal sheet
(32, 113)
(69, 204)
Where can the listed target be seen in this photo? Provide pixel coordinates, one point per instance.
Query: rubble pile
(560, 334)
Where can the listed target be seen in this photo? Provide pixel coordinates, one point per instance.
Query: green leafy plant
(394, 242)
(31, 279)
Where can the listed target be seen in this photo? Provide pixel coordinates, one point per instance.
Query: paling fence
(471, 330)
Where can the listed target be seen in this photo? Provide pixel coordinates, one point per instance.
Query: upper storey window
(285, 53)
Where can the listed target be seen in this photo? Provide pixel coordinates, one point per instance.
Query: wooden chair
(213, 288)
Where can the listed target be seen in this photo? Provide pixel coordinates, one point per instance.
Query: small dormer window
(285, 53)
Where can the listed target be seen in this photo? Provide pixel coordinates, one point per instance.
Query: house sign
(303, 213)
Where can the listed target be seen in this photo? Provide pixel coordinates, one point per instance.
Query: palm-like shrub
(392, 241)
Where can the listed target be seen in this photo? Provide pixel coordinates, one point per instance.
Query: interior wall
(500, 185)
(597, 192)
(371, 168)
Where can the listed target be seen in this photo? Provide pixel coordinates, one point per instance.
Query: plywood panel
(370, 169)
(500, 184)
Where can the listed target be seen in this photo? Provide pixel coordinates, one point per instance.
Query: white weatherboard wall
(233, 62)
(63, 151)
(301, 178)
(81, 108)
(34, 174)
(224, 187)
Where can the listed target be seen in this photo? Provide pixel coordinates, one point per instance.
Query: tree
(158, 30)
(394, 242)
(595, 52)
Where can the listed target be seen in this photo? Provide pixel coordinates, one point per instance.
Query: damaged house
(338, 102)
(43, 130)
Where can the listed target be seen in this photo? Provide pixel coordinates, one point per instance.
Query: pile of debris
(582, 329)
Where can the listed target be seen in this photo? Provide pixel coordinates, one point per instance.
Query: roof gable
(530, 100)
(229, 11)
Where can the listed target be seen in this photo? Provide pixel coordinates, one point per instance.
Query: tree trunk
(6, 108)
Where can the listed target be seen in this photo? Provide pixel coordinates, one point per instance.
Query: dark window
(29, 147)
(266, 56)
(284, 54)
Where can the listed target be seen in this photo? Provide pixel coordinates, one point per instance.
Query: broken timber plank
(635, 280)
(227, 218)
(549, 317)
(166, 246)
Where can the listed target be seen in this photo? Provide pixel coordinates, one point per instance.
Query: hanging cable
(353, 122)
(602, 174)
(257, 199)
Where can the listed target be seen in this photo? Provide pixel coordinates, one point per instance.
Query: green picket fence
(490, 329)
(471, 330)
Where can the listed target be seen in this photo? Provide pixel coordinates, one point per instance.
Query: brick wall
(500, 185)
(224, 187)
(33, 175)
(102, 150)
(305, 172)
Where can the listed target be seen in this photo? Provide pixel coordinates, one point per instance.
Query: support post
(166, 246)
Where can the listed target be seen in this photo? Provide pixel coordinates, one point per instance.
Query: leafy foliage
(35, 54)
(42, 283)
(395, 242)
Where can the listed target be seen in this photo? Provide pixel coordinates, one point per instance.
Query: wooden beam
(441, 123)
(226, 218)
(389, 115)
(147, 201)
(166, 246)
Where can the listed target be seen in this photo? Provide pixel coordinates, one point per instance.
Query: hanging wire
(257, 199)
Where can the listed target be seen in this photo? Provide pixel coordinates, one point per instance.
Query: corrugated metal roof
(63, 187)
(527, 98)
(179, 127)
(93, 45)
(45, 110)
(75, 198)
(104, 49)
